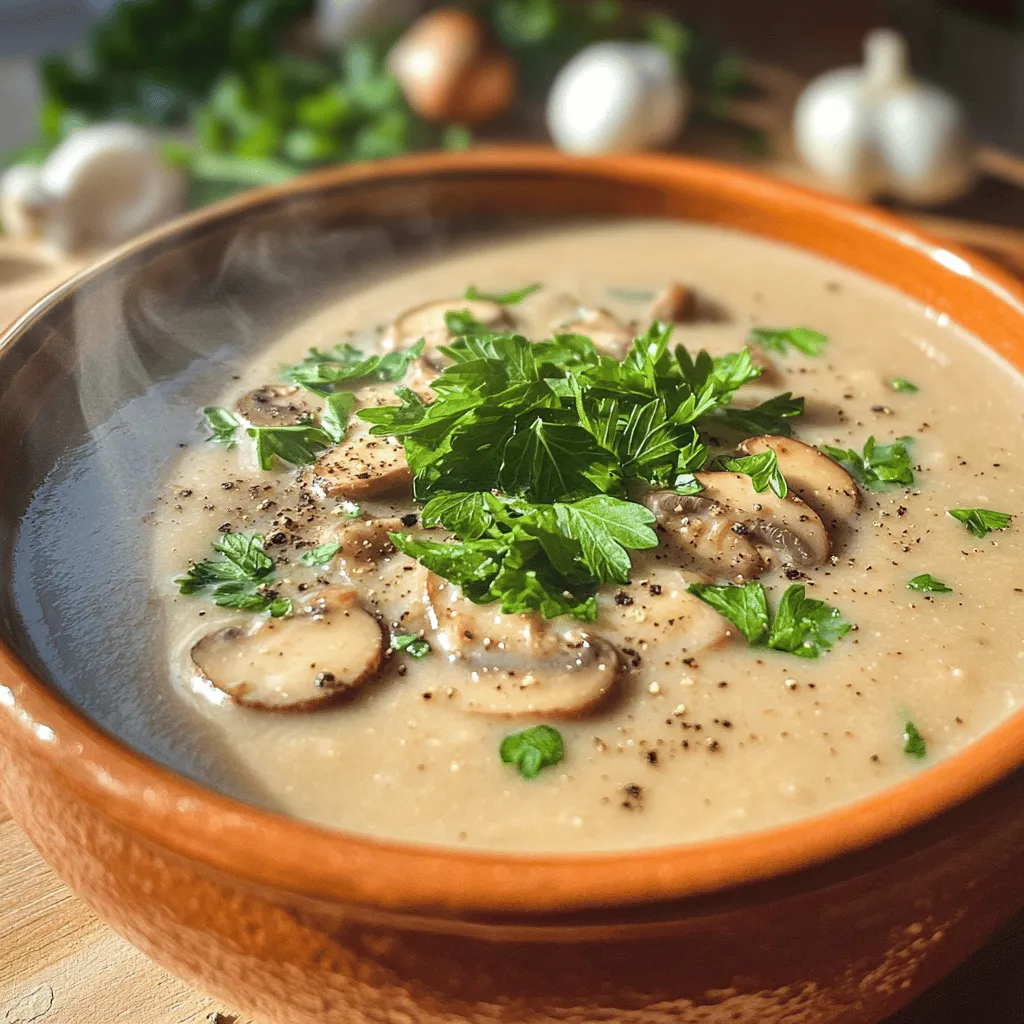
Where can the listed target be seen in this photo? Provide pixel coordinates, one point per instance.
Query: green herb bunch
(530, 451)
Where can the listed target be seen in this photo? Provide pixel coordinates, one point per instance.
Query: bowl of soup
(512, 587)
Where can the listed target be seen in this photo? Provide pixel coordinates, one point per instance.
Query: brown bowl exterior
(841, 918)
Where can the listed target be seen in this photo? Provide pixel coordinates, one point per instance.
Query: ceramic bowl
(842, 917)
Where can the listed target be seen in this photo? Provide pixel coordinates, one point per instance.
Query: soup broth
(673, 726)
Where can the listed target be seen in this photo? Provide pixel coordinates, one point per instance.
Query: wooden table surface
(60, 965)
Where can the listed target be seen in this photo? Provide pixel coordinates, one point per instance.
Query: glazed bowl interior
(100, 384)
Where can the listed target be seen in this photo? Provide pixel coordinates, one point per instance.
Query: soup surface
(673, 725)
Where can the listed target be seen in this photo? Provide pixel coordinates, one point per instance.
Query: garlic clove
(615, 97)
(923, 139)
(338, 22)
(450, 72)
(107, 183)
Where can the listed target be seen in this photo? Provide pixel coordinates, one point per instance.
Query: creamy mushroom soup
(426, 579)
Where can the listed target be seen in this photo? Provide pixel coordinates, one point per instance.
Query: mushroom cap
(786, 529)
(519, 666)
(362, 466)
(363, 540)
(299, 663)
(674, 304)
(275, 405)
(428, 322)
(609, 334)
(812, 476)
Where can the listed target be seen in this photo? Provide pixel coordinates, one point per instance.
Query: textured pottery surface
(843, 918)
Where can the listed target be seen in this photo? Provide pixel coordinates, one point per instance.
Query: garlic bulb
(102, 185)
(617, 96)
(449, 70)
(876, 129)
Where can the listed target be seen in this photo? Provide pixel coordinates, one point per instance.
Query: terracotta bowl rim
(182, 816)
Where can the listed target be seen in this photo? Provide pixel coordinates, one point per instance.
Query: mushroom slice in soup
(710, 539)
(363, 540)
(812, 476)
(675, 304)
(429, 322)
(298, 663)
(362, 466)
(610, 335)
(518, 666)
(275, 405)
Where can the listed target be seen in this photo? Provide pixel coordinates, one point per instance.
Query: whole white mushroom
(616, 97)
(876, 129)
(102, 185)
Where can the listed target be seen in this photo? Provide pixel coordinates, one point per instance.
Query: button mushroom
(275, 405)
(450, 71)
(608, 333)
(518, 665)
(294, 664)
(812, 476)
(362, 466)
(674, 304)
(428, 322)
(780, 530)
(363, 540)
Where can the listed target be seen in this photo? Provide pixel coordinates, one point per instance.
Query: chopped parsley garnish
(902, 384)
(412, 643)
(780, 339)
(223, 424)
(336, 413)
(981, 521)
(511, 298)
(241, 579)
(763, 470)
(914, 744)
(323, 554)
(530, 450)
(299, 445)
(801, 625)
(532, 750)
(325, 372)
(926, 583)
(880, 464)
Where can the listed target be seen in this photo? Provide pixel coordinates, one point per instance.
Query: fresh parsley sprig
(301, 444)
(781, 339)
(325, 372)
(511, 298)
(223, 424)
(802, 625)
(880, 465)
(926, 583)
(763, 470)
(322, 554)
(242, 578)
(981, 521)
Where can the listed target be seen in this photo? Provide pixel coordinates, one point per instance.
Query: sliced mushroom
(518, 666)
(812, 476)
(779, 530)
(711, 540)
(656, 610)
(362, 466)
(608, 333)
(674, 305)
(428, 322)
(275, 405)
(363, 540)
(298, 663)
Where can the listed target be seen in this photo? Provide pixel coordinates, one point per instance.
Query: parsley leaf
(532, 750)
(223, 424)
(879, 465)
(336, 413)
(926, 583)
(770, 417)
(501, 298)
(801, 625)
(299, 445)
(902, 384)
(241, 579)
(412, 643)
(323, 554)
(805, 627)
(763, 470)
(605, 527)
(914, 744)
(746, 606)
(779, 339)
(323, 372)
(981, 521)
